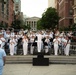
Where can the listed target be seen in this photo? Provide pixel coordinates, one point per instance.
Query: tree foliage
(49, 18)
(3, 25)
(73, 27)
(16, 24)
(39, 26)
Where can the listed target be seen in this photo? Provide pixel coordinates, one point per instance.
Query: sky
(32, 8)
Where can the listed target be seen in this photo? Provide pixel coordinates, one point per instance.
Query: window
(71, 11)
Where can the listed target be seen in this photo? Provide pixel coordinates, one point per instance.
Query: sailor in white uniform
(56, 42)
(15, 48)
(47, 41)
(3, 41)
(12, 33)
(25, 45)
(32, 41)
(39, 41)
(67, 42)
(12, 46)
(7, 35)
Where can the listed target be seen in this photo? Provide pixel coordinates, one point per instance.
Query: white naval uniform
(3, 42)
(8, 40)
(7, 37)
(47, 47)
(12, 34)
(67, 47)
(15, 48)
(39, 42)
(32, 47)
(12, 45)
(56, 47)
(25, 46)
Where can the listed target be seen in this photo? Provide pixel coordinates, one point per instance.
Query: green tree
(39, 26)
(49, 18)
(3, 25)
(73, 27)
(16, 24)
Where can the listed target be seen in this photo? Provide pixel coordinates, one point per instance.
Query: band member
(47, 41)
(12, 33)
(15, 48)
(57, 32)
(39, 41)
(7, 36)
(67, 42)
(56, 42)
(17, 35)
(3, 40)
(25, 45)
(12, 45)
(32, 41)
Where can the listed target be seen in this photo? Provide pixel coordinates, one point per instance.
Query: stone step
(52, 59)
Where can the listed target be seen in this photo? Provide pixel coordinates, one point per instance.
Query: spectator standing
(2, 58)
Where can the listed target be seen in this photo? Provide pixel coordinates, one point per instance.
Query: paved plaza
(29, 69)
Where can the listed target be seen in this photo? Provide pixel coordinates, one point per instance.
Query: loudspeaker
(40, 60)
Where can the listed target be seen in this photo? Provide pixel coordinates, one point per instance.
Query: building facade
(51, 3)
(32, 22)
(56, 5)
(6, 12)
(17, 6)
(65, 11)
(11, 11)
(74, 7)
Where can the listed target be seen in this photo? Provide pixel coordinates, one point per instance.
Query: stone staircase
(52, 59)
